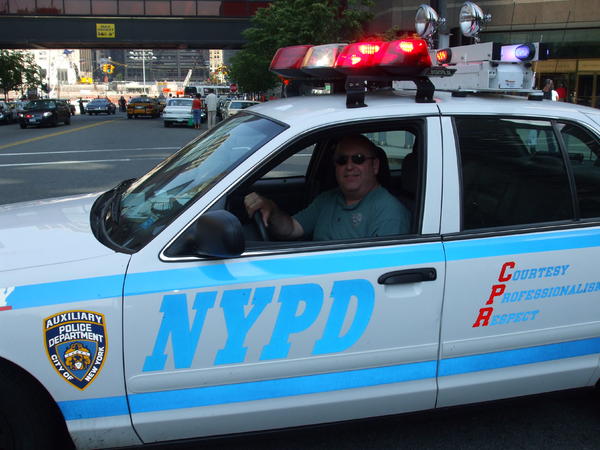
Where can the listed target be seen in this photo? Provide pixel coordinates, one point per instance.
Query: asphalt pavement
(92, 154)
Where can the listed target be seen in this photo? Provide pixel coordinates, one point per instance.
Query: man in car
(359, 207)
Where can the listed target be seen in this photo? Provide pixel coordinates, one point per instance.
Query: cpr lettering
(483, 318)
(299, 307)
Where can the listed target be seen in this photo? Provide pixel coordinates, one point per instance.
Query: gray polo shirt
(379, 213)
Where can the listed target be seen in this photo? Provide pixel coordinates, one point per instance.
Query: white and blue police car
(159, 311)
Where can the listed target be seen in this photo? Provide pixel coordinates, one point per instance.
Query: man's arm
(282, 225)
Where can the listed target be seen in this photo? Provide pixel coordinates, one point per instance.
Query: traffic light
(110, 68)
(105, 68)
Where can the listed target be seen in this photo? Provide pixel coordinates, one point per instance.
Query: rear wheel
(68, 120)
(167, 124)
(129, 116)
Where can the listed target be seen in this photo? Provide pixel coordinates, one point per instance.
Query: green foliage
(18, 71)
(294, 22)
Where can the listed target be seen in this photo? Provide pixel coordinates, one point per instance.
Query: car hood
(48, 232)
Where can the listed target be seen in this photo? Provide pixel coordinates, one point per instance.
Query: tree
(18, 71)
(294, 22)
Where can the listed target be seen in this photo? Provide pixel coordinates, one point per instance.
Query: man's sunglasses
(357, 158)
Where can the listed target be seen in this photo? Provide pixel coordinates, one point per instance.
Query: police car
(159, 311)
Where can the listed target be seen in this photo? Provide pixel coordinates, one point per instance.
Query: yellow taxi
(143, 106)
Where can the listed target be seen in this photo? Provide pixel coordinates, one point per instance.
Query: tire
(167, 124)
(22, 125)
(28, 419)
(129, 116)
(68, 120)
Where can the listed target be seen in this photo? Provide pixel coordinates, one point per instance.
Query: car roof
(321, 109)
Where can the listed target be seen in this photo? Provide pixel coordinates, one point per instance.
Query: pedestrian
(561, 90)
(122, 104)
(81, 108)
(211, 109)
(548, 90)
(196, 110)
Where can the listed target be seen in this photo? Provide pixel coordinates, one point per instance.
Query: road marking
(74, 162)
(58, 133)
(91, 151)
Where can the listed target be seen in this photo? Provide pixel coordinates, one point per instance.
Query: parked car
(17, 106)
(235, 106)
(45, 112)
(143, 106)
(69, 104)
(221, 104)
(100, 105)
(177, 111)
(7, 114)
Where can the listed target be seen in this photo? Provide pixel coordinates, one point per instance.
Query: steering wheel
(260, 226)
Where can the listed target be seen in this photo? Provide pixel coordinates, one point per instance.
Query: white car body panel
(271, 338)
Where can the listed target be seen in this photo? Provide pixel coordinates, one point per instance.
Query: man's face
(356, 169)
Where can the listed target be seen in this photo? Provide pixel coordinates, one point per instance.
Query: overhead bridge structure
(175, 24)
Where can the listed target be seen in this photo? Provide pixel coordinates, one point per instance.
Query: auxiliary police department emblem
(76, 345)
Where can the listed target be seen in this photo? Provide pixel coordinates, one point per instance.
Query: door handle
(408, 276)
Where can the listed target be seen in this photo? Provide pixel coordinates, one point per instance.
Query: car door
(324, 332)
(521, 311)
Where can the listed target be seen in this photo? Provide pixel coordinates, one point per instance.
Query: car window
(512, 173)
(304, 175)
(180, 102)
(397, 144)
(583, 150)
(295, 166)
(156, 198)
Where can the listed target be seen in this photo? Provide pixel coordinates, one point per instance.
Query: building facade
(570, 28)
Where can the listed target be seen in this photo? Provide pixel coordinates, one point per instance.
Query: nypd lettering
(76, 345)
(299, 306)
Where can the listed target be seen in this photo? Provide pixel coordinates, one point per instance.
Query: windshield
(155, 199)
(180, 102)
(39, 104)
(141, 100)
(101, 101)
(241, 105)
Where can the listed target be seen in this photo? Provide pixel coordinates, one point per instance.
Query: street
(92, 154)
(95, 153)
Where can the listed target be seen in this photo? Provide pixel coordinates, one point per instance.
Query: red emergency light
(360, 58)
(288, 60)
(443, 56)
(408, 57)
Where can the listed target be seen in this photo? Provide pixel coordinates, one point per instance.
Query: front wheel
(22, 125)
(27, 419)
(68, 120)
(129, 116)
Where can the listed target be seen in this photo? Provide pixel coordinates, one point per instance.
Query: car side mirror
(215, 233)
